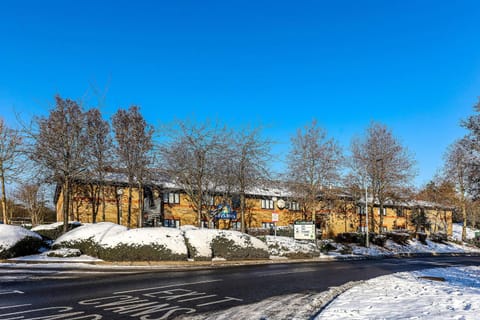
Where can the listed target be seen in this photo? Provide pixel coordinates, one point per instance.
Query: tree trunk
(103, 202)
(141, 200)
(129, 210)
(242, 212)
(66, 204)
(380, 213)
(4, 195)
(464, 215)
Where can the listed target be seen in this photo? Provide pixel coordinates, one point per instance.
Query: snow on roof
(10, 235)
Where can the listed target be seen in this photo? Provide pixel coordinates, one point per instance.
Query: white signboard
(304, 230)
(274, 217)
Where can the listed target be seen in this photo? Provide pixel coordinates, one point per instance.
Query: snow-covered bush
(379, 240)
(291, 248)
(17, 241)
(399, 237)
(113, 242)
(350, 237)
(64, 253)
(87, 237)
(234, 245)
(145, 244)
(54, 230)
(440, 237)
(205, 244)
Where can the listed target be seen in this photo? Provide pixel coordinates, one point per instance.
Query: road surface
(146, 295)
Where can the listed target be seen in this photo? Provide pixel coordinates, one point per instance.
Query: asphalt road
(55, 294)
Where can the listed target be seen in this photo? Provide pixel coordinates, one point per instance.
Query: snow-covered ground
(443, 293)
(403, 295)
(457, 232)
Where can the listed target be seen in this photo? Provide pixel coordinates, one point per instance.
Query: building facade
(168, 205)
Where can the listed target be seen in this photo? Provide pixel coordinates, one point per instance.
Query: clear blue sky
(412, 65)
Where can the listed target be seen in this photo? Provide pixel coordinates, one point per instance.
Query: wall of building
(116, 206)
(333, 217)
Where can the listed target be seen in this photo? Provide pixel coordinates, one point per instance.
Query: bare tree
(32, 197)
(134, 145)
(190, 158)
(458, 171)
(250, 153)
(59, 147)
(314, 163)
(384, 162)
(99, 148)
(10, 141)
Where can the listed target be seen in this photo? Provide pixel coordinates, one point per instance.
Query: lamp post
(367, 244)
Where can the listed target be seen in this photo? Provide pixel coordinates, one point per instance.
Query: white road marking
(219, 301)
(167, 286)
(16, 306)
(198, 298)
(11, 292)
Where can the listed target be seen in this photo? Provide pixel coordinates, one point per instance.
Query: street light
(367, 244)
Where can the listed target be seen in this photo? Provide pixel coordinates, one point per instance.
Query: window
(362, 229)
(171, 223)
(361, 210)
(171, 197)
(294, 206)
(236, 225)
(384, 229)
(235, 201)
(267, 204)
(210, 200)
(384, 211)
(268, 225)
(400, 212)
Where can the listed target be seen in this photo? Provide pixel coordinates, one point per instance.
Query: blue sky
(412, 65)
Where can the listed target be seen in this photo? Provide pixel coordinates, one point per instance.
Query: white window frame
(268, 225)
(267, 204)
(361, 210)
(171, 197)
(294, 206)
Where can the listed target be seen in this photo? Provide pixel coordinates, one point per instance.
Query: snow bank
(206, 243)
(95, 232)
(409, 296)
(53, 226)
(289, 247)
(457, 232)
(167, 237)
(11, 235)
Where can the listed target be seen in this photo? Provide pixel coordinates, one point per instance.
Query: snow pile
(206, 244)
(11, 235)
(443, 293)
(168, 237)
(95, 232)
(113, 242)
(53, 226)
(457, 232)
(289, 247)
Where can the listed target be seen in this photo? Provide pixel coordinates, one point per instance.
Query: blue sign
(225, 212)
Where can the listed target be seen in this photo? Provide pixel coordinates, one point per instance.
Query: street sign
(304, 230)
(275, 217)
